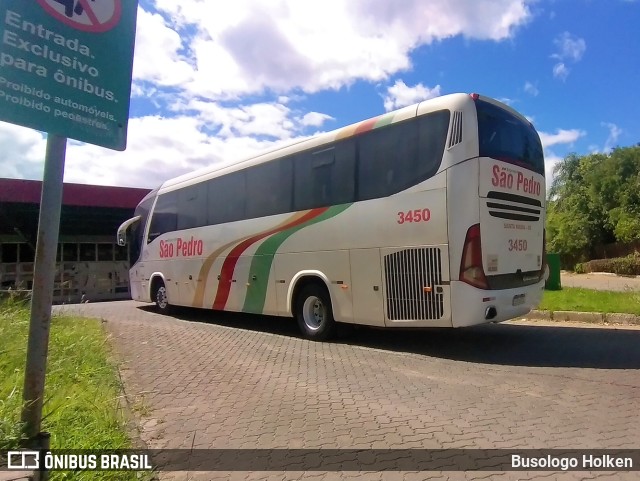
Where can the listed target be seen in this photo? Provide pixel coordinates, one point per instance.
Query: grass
(82, 408)
(589, 300)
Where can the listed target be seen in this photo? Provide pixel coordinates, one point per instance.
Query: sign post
(42, 292)
(65, 69)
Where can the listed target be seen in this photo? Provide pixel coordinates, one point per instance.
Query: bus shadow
(515, 345)
(285, 326)
(501, 344)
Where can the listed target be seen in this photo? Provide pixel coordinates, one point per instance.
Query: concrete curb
(588, 317)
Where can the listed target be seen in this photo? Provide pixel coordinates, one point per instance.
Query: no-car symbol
(87, 15)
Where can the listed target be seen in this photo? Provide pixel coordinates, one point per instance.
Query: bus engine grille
(413, 279)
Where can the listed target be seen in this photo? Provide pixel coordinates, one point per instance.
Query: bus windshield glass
(505, 137)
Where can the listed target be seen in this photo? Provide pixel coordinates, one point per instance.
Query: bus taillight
(471, 270)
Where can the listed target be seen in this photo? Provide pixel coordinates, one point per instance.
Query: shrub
(626, 266)
(580, 268)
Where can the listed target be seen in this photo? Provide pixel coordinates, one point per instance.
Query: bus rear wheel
(314, 313)
(160, 297)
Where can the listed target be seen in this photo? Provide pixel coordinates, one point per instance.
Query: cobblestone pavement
(201, 379)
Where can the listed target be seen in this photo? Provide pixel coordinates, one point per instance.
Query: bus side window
(325, 177)
(433, 129)
(269, 188)
(386, 157)
(192, 206)
(226, 198)
(394, 158)
(164, 218)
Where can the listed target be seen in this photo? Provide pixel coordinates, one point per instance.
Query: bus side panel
(239, 284)
(190, 279)
(138, 285)
(261, 287)
(462, 207)
(366, 287)
(333, 265)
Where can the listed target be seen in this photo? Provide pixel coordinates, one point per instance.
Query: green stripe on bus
(263, 260)
(386, 120)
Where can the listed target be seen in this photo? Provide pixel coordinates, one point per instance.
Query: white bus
(429, 216)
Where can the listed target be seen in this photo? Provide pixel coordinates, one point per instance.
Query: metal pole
(42, 293)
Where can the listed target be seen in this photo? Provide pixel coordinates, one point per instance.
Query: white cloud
(253, 46)
(157, 58)
(400, 95)
(22, 152)
(159, 148)
(560, 71)
(507, 100)
(531, 89)
(614, 134)
(550, 162)
(569, 49)
(222, 79)
(260, 119)
(315, 119)
(562, 136)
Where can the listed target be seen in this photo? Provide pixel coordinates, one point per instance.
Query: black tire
(160, 298)
(314, 313)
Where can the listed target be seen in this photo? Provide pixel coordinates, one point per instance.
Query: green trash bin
(552, 275)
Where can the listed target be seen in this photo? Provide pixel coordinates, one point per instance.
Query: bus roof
(452, 101)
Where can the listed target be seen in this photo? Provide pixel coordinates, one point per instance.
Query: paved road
(234, 381)
(600, 281)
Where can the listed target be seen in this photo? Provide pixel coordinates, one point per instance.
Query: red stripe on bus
(366, 126)
(229, 265)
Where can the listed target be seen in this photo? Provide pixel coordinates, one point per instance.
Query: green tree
(594, 199)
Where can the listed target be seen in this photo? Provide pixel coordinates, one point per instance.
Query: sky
(220, 81)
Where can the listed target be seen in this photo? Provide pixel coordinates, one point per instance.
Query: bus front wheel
(314, 313)
(160, 297)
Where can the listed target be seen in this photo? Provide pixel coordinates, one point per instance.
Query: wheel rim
(314, 312)
(161, 298)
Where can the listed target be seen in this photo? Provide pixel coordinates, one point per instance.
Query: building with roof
(89, 264)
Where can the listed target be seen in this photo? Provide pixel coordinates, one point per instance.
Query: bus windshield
(503, 136)
(137, 228)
